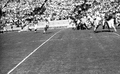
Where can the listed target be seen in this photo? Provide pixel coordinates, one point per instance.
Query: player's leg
(96, 25)
(113, 25)
(35, 28)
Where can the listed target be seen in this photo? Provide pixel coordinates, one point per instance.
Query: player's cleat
(44, 32)
(35, 31)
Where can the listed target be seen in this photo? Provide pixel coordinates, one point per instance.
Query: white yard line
(117, 34)
(32, 52)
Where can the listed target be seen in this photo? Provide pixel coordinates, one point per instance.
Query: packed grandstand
(26, 13)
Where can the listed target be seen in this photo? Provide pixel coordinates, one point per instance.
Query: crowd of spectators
(18, 13)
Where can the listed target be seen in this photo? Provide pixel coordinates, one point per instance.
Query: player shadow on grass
(103, 31)
(118, 27)
(45, 32)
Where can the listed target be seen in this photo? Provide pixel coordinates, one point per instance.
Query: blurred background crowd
(21, 12)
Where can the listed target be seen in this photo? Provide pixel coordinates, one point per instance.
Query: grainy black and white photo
(59, 36)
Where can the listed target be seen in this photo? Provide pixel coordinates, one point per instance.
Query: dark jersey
(108, 17)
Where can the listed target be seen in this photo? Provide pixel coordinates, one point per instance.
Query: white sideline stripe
(32, 53)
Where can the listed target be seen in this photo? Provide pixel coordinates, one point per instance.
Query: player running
(46, 26)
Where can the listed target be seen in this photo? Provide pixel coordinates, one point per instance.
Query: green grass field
(67, 52)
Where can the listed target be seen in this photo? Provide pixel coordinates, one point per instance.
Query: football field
(60, 51)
